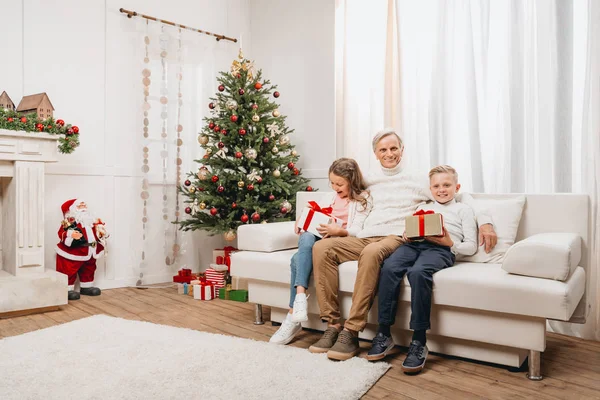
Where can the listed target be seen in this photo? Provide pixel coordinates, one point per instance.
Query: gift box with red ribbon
(223, 256)
(216, 277)
(183, 276)
(314, 215)
(424, 223)
(204, 291)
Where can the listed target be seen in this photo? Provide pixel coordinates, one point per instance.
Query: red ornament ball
(9, 119)
(200, 189)
(238, 154)
(214, 211)
(238, 76)
(241, 91)
(244, 218)
(39, 127)
(259, 180)
(211, 125)
(242, 132)
(291, 165)
(276, 94)
(217, 128)
(250, 187)
(296, 171)
(221, 145)
(233, 118)
(205, 156)
(187, 182)
(75, 129)
(234, 205)
(254, 106)
(69, 131)
(309, 189)
(224, 132)
(283, 210)
(49, 127)
(23, 119)
(257, 85)
(188, 210)
(211, 106)
(271, 197)
(60, 122)
(221, 88)
(255, 217)
(265, 140)
(220, 189)
(214, 179)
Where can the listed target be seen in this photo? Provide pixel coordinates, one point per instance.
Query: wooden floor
(571, 367)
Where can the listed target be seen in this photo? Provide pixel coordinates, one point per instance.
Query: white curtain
(508, 92)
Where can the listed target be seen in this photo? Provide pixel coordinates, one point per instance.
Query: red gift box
(184, 276)
(223, 256)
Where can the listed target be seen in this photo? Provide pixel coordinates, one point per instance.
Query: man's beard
(82, 217)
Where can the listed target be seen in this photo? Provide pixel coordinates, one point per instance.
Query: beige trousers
(328, 254)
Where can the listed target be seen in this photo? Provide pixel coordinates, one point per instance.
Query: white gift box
(204, 292)
(310, 220)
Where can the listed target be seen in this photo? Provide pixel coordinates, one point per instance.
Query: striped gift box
(216, 277)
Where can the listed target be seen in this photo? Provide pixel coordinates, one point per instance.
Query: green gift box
(235, 295)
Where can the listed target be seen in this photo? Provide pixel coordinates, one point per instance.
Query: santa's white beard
(82, 217)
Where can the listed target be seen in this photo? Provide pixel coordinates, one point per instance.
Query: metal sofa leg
(535, 370)
(258, 319)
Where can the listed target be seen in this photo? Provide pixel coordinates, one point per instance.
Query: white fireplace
(26, 284)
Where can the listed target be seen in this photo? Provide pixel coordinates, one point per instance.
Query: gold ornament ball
(251, 154)
(294, 153)
(202, 206)
(231, 104)
(255, 118)
(276, 113)
(275, 150)
(192, 189)
(283, 140)
(241, 184)
(203, 139)
(208, 151)
(276, 173)
(229, 236)
(203, 174)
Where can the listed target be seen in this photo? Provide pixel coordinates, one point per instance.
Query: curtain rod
(135, 14)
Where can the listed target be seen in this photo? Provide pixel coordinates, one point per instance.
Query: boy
(419, 260)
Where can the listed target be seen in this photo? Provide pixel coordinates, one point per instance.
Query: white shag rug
(103, 357)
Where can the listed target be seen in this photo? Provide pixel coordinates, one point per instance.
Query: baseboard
(131, 281)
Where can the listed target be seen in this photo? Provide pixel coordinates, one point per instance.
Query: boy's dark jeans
(419, 260)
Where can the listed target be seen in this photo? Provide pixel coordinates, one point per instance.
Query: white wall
(293, 42)
(81, 54)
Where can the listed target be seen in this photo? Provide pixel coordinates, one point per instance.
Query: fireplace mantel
(25, 283)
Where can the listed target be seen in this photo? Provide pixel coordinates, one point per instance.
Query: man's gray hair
(384, 133)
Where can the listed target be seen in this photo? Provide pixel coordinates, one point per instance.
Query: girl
(351, 203)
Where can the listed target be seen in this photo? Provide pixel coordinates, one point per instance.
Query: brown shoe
(326, 342)
(345, 347)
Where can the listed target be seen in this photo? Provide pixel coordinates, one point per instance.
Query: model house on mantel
(6, 102)
(37, 103)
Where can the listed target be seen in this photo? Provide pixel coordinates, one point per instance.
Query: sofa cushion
(480, 286)
(506, 214)
(545, 255)
(267, 237)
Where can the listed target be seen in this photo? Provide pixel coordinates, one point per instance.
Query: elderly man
(396, 195)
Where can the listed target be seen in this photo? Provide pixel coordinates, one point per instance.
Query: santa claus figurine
(82, 240)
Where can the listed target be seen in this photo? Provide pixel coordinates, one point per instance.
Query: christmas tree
(248, 174)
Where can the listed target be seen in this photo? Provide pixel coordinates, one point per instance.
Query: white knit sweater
(396, 194)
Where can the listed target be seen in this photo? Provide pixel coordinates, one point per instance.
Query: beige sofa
(480, 310)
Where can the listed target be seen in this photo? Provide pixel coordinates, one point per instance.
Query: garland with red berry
(68, 134)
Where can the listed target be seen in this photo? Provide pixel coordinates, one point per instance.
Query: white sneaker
(300, 305)
(286, 332)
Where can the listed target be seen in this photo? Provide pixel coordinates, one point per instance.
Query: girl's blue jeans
(302, 264)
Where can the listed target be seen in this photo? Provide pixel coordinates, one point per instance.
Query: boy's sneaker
(326, 342)
(299, 314)
(382, 345)
(345, 347)
(415, 360)
(286, 332)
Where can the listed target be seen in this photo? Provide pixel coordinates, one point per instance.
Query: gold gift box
(433, 225)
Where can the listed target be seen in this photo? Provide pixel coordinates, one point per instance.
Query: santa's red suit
(78, 257)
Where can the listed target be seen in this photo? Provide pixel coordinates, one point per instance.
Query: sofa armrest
(267, 237)
(545, 255)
